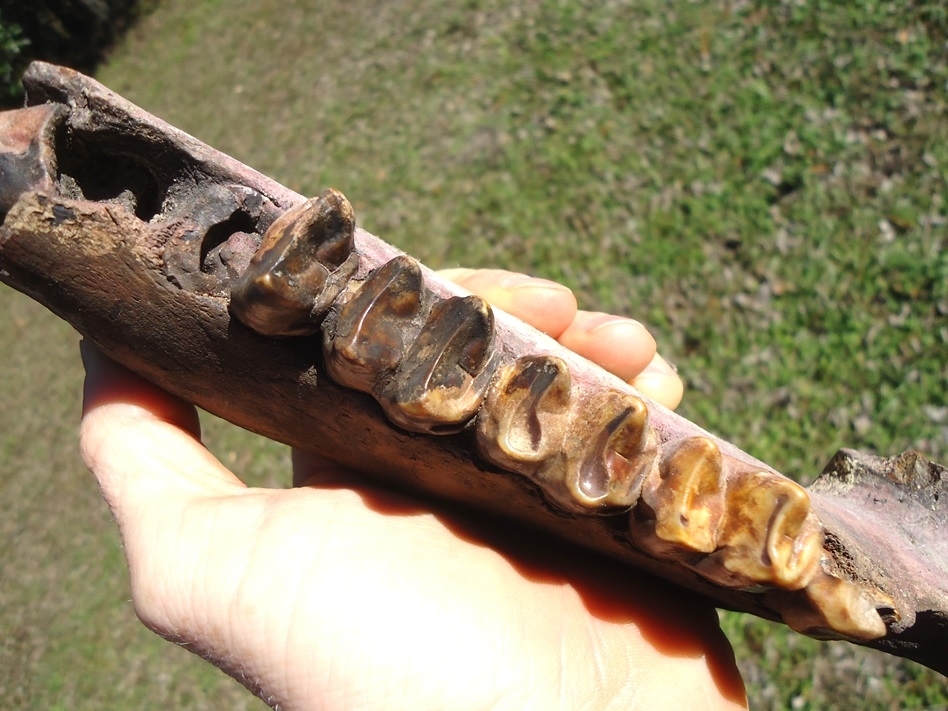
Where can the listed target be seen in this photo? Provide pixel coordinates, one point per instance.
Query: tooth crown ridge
(587, 456)
(433, 366)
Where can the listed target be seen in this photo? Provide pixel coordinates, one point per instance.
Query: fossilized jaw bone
(143, 265)
(430, 362)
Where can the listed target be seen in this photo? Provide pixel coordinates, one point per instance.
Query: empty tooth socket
(302, 265)
(682, 502)
(831, 608)
(440, 382)
(375, 327)
(586, 457)
(769, 536)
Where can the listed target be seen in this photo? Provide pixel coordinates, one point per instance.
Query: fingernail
(522, 281)
(600, 321)
(659, 366)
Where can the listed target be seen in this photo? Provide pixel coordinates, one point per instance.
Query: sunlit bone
(85, 258)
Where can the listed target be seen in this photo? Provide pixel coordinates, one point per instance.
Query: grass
(763, 183)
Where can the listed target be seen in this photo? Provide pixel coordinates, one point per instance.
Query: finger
(622, 346)
(143, 444)
(107, 382)
(547, 306)
(660, 382)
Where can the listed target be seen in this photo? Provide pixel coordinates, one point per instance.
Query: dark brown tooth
(300, 268)
(440, 382)
(769, 536)
(609, 451)
(682, 503)
(374, 329)
(524, 417)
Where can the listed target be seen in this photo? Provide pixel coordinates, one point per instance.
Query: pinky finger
(660, 382)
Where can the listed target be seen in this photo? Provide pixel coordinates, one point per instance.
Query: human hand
(341, 594)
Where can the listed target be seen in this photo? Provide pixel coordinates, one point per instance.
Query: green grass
(764, 186)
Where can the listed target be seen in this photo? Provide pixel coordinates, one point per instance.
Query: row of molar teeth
(432, 365)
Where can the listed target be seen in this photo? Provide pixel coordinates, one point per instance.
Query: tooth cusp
(523, 420)
(615, 447)
(440, 382)
(302, 265)
(588, 458)
(769, 536)
(683, 501)
(432, 365)
(832, 608)
(374, 328)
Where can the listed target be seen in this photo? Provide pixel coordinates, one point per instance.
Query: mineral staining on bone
(432, 364)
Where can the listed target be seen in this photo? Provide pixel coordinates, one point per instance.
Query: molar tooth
(768, 537)
(440, 382)
(832, 608)
(683, 500)
(585, 459)
(375, 327)
(524, 417)
(609, 451)
(303, 263)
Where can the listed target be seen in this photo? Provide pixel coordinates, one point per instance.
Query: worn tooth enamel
(432, 368)
(683, 502)
(612, 450)
(832, 608)
(303, 263)
(523, 420)
(876, 576)
(769, 537)
(585, 459)
(440, 382)
(375, 327)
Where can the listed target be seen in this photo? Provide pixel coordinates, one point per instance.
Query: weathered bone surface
(236, 294)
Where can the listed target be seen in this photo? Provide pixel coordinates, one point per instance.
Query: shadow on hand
(676, 622)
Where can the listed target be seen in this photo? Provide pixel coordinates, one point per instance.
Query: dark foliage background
(76, 33)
